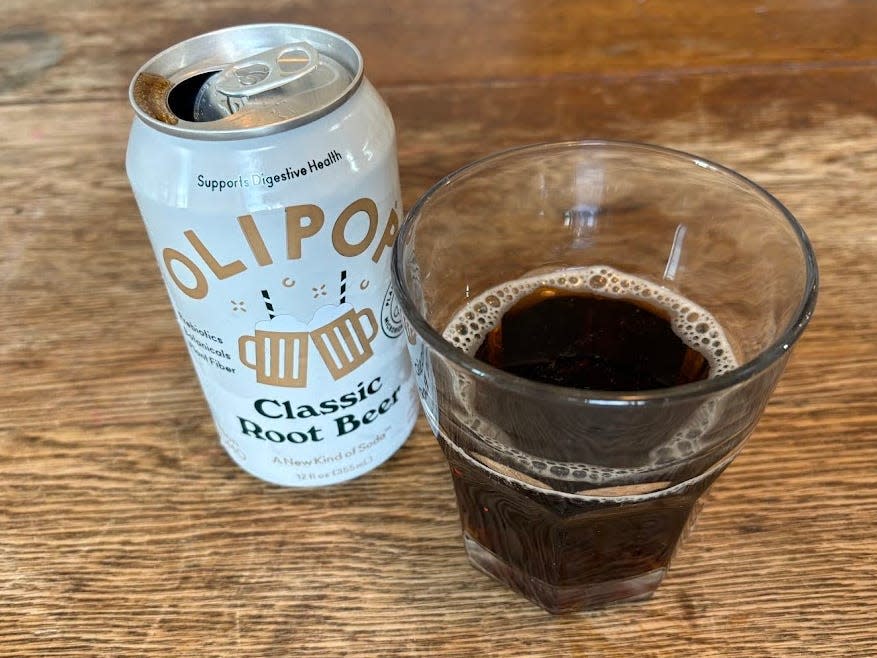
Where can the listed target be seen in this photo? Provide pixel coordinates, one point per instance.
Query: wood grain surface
(126, 531)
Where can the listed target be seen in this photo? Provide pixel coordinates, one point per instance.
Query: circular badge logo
(391, 314)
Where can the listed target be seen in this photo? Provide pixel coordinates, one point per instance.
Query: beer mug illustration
(280, 352)
(344, 343)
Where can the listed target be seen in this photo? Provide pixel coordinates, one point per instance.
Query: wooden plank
(99, 45)
(128, 532)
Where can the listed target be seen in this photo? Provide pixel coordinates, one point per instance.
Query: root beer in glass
(264, 165)
(596, 328)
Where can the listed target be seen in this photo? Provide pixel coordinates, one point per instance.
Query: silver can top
(246, 81)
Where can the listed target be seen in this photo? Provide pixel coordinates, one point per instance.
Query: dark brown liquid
(586, 341)
(566, 553)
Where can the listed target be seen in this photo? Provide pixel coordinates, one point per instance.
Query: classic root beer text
(343, 424)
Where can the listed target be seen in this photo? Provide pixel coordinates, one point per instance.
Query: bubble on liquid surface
(690, 322)
(694, 325)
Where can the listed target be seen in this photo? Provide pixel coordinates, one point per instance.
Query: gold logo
(278, 350)
(345, 343)
(281, 357)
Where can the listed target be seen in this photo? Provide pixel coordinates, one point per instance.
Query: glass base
(558, 599)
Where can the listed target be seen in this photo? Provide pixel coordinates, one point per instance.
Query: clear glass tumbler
(578, 498)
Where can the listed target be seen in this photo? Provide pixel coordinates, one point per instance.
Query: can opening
(246, 81)
(182, 98)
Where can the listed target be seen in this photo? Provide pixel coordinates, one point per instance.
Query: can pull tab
(268, 70)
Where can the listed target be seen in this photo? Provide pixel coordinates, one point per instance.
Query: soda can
(264, 166)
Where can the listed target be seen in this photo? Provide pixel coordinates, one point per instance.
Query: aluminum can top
(246, 81)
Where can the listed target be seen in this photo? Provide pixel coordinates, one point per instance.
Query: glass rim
(485, 372)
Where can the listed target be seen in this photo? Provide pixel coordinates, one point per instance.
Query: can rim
(195, 130)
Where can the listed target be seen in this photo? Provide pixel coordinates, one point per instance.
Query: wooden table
(126, 531)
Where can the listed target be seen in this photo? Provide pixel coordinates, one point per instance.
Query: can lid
(246, 81)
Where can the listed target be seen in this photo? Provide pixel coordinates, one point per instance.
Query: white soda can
(264, 165)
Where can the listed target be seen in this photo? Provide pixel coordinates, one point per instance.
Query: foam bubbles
(691, 322)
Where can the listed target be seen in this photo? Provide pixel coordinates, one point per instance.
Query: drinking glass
(578, 498)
